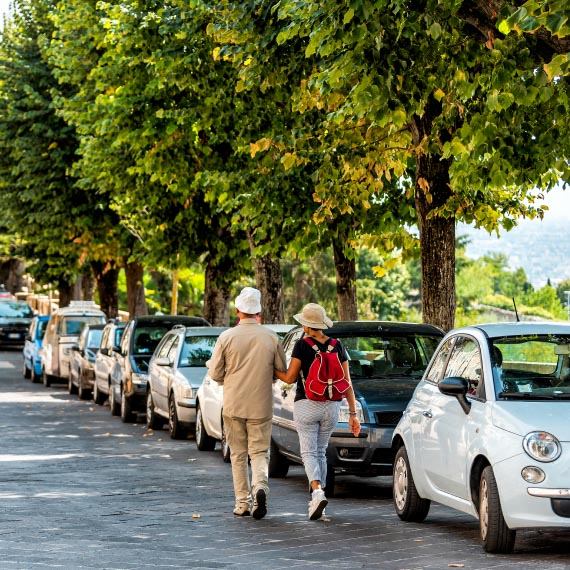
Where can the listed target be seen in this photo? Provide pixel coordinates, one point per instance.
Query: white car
(487, 431)
(209, 407)
(176, 371)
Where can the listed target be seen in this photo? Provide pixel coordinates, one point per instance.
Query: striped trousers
(315, 422)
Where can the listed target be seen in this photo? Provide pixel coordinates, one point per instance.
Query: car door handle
(427, 414)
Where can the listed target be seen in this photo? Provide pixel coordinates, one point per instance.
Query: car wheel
(36, 378)
(71, 388)
(82, 392)
(113, 404)
(226, 451)
(203, 441)
(278, 463)
(176, 429)
(153, 421)
(127, 415)
(408, 504)
(496, 536)
(26, 372)
(98, 397)
(46, 379)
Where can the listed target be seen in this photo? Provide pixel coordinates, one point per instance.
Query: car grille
(388, 418)
(384, 456)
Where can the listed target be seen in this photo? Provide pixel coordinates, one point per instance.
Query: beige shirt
(243, 361)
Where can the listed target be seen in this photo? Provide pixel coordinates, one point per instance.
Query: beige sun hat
(249, 301)
(313, 316)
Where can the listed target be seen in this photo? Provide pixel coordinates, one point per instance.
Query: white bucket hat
(314, 317)
(249, 301)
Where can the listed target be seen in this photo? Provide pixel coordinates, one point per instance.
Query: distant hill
(541, 248)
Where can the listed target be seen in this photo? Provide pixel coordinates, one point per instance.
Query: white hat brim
(326, 324)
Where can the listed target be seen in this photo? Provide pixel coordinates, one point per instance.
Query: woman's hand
(354, 424)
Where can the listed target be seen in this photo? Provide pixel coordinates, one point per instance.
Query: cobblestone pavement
(79, 489)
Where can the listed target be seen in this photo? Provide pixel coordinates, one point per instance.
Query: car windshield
(73, 325)
(94, 339)
(532, 367)
(196, 351)
(15, 309)
(146, 338)
(378, 356)
(119, 335)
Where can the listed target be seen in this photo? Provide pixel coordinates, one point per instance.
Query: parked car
(387, 361)
(106, 358)
(487, 431)
(62, 333)
(15, 320)
(129, 377)
(280, 330)
(176, 372)
(32, 346)
(82, 363)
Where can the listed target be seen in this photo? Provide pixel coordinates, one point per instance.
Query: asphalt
(80, 489)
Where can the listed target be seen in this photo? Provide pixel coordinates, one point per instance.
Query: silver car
(176, 371)
(105, 360)
(82, 361)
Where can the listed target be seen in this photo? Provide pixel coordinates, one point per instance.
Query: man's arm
(217, 364)
(279, 360)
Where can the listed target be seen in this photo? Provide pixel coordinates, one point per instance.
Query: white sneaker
(317, 504)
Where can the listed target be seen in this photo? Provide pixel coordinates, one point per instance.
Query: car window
(147, 338)
(41, 329)
(196, 351)
(82, 339)
(173, 349)
(533, 366)
(435, 373)
(73, 324)
(105, 337)
(163, 348)
(465, 362)
(289, 343)
(15, 309)
(94, 338)
(119, 331)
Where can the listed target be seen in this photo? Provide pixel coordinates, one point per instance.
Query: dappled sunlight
(30, 398)
(50, 495)
(12, 457)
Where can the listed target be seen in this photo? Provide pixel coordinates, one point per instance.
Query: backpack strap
(311, 343)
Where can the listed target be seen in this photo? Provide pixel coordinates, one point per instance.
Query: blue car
(33, 344)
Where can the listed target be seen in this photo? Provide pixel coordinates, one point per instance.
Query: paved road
(79, 489)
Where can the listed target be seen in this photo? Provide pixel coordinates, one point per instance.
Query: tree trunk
(136, 300)
(77, 289)
(437, 233)
(88, 285)
(65, 289)
(216, 296)
(269, 281)
(345, 279)
(107, 276)
(12, 274)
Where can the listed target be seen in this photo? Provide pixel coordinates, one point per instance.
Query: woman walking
(318, 400)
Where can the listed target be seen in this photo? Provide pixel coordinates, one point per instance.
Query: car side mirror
(117, 349)
(104, 351)
(75, 348)
(163, 361)
(457, 387)
(28, 337)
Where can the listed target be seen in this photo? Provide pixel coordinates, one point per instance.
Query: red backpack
(326, 379)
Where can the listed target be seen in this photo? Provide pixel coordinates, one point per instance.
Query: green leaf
(348, 16)
(435, 30)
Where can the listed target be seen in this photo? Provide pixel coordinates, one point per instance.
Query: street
(80, 489)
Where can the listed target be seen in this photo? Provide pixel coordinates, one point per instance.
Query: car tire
(71, 388)
(204, 442)
(98, 397)
(330, 483)
(113, 404)
(226, 451)
(26, 372)
(408, 504)
(496, 536)
(126, 411)
(46, 379)
(278, 463)
(82, 392)
(153, 420)
(175, 428)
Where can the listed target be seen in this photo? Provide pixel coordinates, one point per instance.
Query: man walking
(243, 361)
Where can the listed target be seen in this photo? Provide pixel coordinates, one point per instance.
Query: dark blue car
(32, 346)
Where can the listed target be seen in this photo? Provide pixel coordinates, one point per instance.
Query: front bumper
(186, 410)
(12, 337)
(527, 505)
(369, 454)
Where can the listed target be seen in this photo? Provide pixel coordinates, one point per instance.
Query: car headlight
(542, 446)
(139, 378)
(187, 392)
(344, 414)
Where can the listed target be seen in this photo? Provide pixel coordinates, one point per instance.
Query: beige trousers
(248, 437)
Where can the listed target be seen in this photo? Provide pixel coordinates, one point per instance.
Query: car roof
(79, 310)
(95, 327)
(172, 319)
(494, 330)
(204, 331)
(279, 327)
(384, 327)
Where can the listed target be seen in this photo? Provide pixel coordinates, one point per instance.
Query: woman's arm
(353, 420)
(292, 373)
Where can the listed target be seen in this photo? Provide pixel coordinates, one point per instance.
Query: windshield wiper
(525, 396)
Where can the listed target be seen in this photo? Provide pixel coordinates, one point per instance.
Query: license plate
(14, 335)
